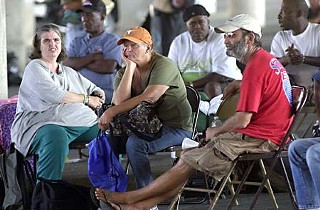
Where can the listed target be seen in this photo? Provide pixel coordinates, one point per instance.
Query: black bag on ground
(18, 180)
(61, 195)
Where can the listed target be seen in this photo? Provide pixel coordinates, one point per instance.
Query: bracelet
(86, 100)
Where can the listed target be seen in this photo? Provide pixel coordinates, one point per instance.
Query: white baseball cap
(243, 21)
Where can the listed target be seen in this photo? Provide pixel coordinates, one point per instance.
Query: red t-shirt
(266, 92)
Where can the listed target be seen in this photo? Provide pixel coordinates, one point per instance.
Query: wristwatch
(86, 100)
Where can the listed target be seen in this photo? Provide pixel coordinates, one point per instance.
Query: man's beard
(239, 50)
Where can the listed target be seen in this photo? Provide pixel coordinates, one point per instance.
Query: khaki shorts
(215, 158)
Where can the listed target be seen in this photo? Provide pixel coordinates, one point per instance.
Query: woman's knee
(53, 136)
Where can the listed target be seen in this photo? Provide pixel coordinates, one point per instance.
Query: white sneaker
(154, 208)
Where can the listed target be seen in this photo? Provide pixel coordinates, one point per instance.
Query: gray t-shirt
(39, 102)
(105, 42)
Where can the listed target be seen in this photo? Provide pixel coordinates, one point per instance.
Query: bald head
(297, 5)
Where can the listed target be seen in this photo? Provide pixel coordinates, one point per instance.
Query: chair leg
(268, 185)
(176, 200)
(126, 168)
(264, 180)
(291, 194)
(231, 188)
(206, 178)
(242, 182)
(80, 153)
(222, 185)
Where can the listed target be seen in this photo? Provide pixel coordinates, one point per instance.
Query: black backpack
(61, 195)
(18, 180)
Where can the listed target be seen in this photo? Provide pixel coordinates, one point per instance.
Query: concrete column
(255, 8)
(3, 52)
(132, 15)
(21, 20)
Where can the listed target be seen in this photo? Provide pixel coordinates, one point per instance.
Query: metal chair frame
(194, 101)
(299, 98)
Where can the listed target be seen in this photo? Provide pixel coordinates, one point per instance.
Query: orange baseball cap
(137, 35)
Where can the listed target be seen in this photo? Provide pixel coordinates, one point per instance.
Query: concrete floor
(76, 172)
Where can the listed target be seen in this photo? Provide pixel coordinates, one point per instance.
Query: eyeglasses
(229, 35)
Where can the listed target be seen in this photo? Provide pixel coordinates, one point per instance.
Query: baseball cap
(93, 6)
(137, 35)
(194, 10)
(243, 21)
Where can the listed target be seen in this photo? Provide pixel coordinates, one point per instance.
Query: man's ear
(149, 48)
(251, 36)
(300, 13)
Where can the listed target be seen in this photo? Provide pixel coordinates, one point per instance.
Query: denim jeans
(304, 157)
(138, 149)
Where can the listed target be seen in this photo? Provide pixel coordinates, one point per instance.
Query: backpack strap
(22, 180)
(12, 169)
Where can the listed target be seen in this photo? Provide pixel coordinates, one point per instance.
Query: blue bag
(104, 169)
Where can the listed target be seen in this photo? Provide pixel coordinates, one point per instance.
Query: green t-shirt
(175, 111)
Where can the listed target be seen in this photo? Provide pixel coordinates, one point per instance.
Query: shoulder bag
(104, 169)
(58, 194)
(142, 121)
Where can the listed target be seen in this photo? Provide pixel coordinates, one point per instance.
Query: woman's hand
(95, 102)
(105, 119)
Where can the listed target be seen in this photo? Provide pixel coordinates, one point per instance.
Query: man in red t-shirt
(263, 117)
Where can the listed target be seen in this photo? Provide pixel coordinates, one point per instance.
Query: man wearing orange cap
(146, 77)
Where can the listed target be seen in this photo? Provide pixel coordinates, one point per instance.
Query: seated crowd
(103, 68)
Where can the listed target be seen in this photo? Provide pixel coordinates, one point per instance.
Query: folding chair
(299, 99)
(194, 101)
(307, 117)
(226, 109)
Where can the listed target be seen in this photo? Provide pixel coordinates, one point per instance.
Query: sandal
(93, 197)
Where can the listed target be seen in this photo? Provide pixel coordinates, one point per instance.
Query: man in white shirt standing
(200, 54)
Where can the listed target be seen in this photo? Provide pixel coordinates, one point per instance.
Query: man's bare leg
(165, 185)
(148, 203)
